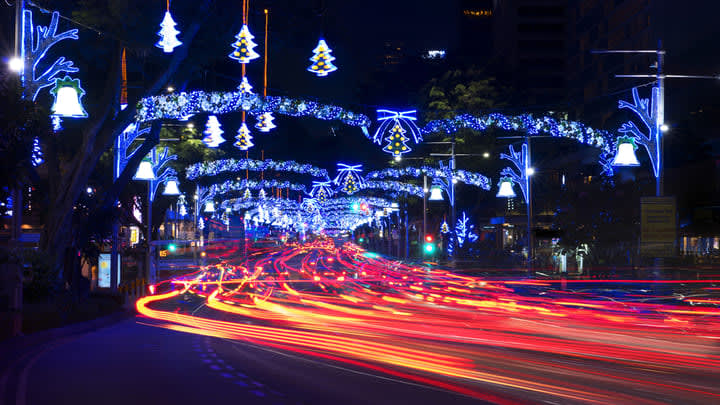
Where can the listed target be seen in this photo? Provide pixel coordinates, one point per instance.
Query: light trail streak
(445, 329)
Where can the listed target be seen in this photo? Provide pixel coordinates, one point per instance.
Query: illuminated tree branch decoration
(123, 142)
(647, 112)
(521, 162)
(34, 51)
(465, 231)
(158, 162)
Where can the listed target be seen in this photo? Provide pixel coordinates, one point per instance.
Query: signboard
(104, 270)
(658, 226)
(134, 235)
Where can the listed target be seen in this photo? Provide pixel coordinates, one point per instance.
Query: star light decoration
(213, 133)
(168, 34)
(322, 60)
(244, 46)
(348, 178)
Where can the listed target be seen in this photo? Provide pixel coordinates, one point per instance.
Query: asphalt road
(135, 363)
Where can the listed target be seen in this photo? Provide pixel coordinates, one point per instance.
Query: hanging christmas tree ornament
(244, 139)
(213, 133)
(201, 224)
(56, 123)
(265, 122)
(244, 46)
(322, 60)
(67, 92)
(261, 194)
(245, 87)
(168, 34)
(247, 194)
(397, 141)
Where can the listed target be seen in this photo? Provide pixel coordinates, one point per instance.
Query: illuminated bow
(390, 118)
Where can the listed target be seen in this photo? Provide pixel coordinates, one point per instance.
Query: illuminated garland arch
(181, 105)
(469, 178)
(395, 187)
(240, 185)
(216, 167)
(559, 128)
(238, 204)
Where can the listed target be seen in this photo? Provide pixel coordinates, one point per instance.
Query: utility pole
(528, 186)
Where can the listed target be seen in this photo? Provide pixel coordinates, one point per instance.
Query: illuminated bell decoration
(145, 170)
(626, 154)
(67, 92)
(506, 188)
(171, 187)
(436, 194)
(322, 60)
(210, 206)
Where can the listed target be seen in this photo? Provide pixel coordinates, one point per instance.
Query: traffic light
(429, 246)
(364, 206)
(172, 247)
(355, 206)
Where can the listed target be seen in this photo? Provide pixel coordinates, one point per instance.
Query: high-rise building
(615, 25)
(531, 47)
(476, 24)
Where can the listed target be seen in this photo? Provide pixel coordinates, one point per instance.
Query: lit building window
(477, 13)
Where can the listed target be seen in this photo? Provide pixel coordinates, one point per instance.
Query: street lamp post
(147, 171)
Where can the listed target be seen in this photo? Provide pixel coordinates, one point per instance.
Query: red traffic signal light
(429, 238)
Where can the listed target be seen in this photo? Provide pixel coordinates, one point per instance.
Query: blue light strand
(213, 168)
(467, 177)
(177, 106)
(395, 187)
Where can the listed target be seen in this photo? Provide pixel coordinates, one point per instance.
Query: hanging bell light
(436, 194)
(506, 188)
(625, 155)
(210, 206)
(171, 187)
(145, 170)
(67, 92)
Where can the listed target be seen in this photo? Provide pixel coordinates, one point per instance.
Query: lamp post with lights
(148, 171)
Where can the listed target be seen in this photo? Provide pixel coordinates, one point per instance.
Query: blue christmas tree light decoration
(244, 46)
(322, 60)
(321, 190)
(244, 87)
(265, 122)
(349, 179)
(168, 34)
(389, 119)
(213, 133)
(397, 142)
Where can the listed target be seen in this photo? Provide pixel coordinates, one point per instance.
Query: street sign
(104, 270)
(658, 227)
